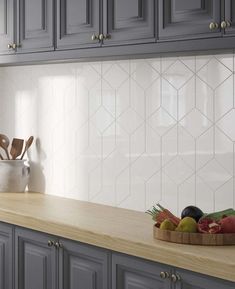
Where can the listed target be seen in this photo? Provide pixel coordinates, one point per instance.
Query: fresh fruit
(167, 225)
(209, 226)
(217, 216)
(187, 224)
(193, 212)
(228, 224)
(160, 214)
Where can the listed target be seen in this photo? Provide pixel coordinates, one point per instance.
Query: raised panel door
(6, 261)
(6, 25)
(35, 27)
(132, 273)
(129, 22)
(77, 21)
(83, 267)
(230, 17)
(35, 261)
(188, 19)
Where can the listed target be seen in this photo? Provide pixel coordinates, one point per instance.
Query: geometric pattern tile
(128, 133)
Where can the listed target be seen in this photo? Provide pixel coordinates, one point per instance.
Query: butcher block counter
(120, 230)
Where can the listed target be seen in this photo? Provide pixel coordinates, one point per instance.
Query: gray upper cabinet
(77, 21)
(6, 257)
(83, 267)
(35, 261)
(128, 22)
(35, 25)
(229, 17)
(189, 19)
(6, 25)
(191, 280)
(133, 273)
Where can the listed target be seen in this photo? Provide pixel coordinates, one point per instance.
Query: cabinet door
(6, 257)
(35, 25)
(230, 16)
(188, 19)
(128, 22)
(35, 261)
(83, 267)
(133, 273)
(6, 25)
(191, 280)
(77, 21)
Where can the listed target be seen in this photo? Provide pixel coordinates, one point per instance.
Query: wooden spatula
(27, 146)
(16, 148)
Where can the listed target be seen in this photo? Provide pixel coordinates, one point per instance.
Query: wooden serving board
(194, 238)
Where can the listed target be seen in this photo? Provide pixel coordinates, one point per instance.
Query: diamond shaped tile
(130, 121)
(144, 167)
(226, 124)
(214, 73)
(102, 119)
(214, 175)
(169, 98)
(153, 190)
(186, 98)
(115, 76)
(177, 170)
(87, 77)
(153, 97)
(195, 123)
(178, 74)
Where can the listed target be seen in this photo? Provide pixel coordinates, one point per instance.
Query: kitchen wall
(128, 133)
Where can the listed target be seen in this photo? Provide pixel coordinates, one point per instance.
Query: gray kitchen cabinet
(191, 280)
(128, 22)
(35, 261)
(189, 19)
(229, 17)
(6, 256)
(83, 267)
(6, 25)
(77, 22)
(133, 273)
(35, 25)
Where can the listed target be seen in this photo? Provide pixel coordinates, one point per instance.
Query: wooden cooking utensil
(16, 147)
(4, 143)
(27, 146)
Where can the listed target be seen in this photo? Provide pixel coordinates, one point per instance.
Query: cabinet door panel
(35, 28)
(6, 248)
(230, 16)
(82, 266)
(191, 280)
(6, 25)
(188, 19)
(35, 261)
(77, 21)
(132, 273)
(129, 21)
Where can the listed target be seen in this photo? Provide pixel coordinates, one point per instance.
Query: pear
(167, 225)
(187, 224)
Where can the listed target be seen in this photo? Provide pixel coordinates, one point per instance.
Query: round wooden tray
(194, 238)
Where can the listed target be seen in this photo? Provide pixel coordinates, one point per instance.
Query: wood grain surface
(117, 229)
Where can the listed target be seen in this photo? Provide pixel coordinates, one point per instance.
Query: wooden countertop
(112, 228)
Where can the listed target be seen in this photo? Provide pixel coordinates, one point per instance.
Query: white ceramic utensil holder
(14, 175)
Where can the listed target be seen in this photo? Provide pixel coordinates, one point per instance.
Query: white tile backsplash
(128, 133)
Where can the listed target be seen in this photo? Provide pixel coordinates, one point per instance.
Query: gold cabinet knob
(225, 24)
(104, 37)
(175, 278)
(50, 243)
(101, 37)
(12, 46)
(58, 245)
(164, 275)
(213, 26)
(94, 37)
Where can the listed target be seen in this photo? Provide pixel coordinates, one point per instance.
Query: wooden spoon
(16, 147)
(4, 143)
(27, 146)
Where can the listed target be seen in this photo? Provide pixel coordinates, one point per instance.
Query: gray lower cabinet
(6, 256)
(77, 21)
(35, 261)
(35, 25)
(133, 273)
(6, 25)
(83, 267)
(189, 19)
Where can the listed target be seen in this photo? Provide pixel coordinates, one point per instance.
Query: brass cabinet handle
(225, 24)
(58, 245)
(50, 243)
(175, 278)
(213, 26)
(12, 46)
(164, 275)
(104, 37)
(94, 37)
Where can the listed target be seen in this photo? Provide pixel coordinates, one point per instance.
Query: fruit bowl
(193, 238)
